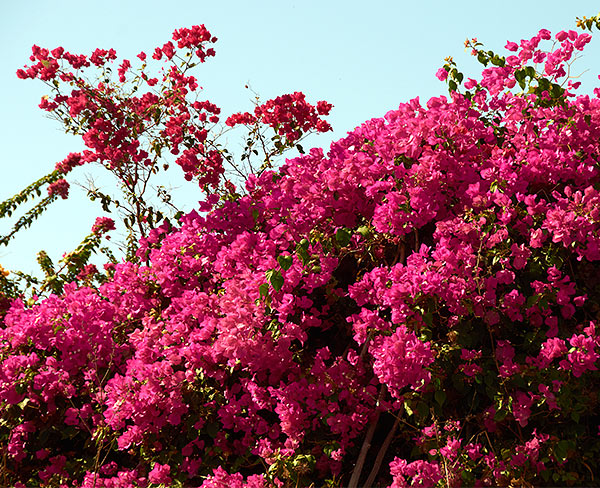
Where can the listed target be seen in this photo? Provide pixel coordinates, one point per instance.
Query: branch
(381, 454)
(366, 444)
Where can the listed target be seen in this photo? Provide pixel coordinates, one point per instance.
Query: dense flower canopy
(429, 288)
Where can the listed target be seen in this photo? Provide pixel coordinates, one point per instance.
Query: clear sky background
(364, 57)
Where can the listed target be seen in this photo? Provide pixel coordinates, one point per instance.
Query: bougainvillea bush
(417, 307)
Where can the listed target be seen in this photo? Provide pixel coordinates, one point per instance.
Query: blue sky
(365, 58)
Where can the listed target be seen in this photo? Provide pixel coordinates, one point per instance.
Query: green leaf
(304, 244)
(428, 318)
(23, 403)
(212, 429)
(329, 448)
(301, 250)
(285, 262)
(500, 415)
(497, 60)
(264, 289)
(543, 84)
(423, 409)
(276, 279)
(561, 450)
(363, 230)
(69, 432)
(303, 255)
(343, 237)
(532, 300)
(556, 91)
(440, 397)
(520, 75)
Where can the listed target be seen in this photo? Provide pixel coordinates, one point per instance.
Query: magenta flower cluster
(433, 280)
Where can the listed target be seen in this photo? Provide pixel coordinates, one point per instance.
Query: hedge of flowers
(417, 307)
